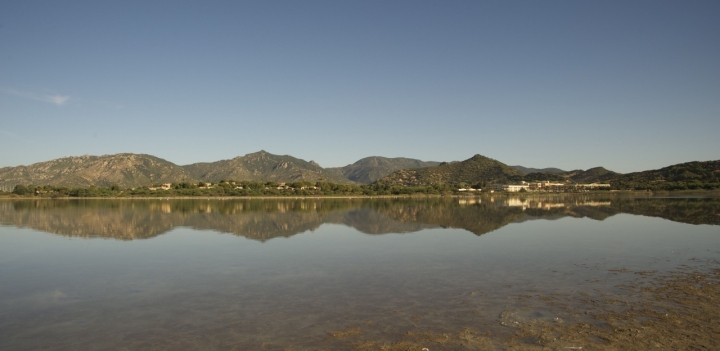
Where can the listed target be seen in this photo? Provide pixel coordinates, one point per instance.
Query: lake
(476, 273)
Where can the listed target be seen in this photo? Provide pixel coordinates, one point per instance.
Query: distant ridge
(126, 170)
(474, 170)
(263, 165)
(593, 175)
(527, 170)
(371, 169)
(689, 175)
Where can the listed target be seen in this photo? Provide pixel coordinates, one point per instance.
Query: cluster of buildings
(283, 186)
(548, 187)
(166, 186)
(203, 185)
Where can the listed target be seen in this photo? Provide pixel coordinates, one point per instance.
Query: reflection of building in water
(595, 203)
(207, 208)
(532, 204)
(539, 204)
(547, 187)
(469, 201)
(308, 206)
(161, 207)
(6, 206)
(237, 208)
(548, 206)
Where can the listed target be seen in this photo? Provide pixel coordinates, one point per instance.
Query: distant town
(543, 187)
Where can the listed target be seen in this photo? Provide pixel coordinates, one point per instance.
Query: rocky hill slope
(125, 170)
(263, 165)
(528, 170)
(689, 175)
(474, 170)
(592, 175)
(371, 169)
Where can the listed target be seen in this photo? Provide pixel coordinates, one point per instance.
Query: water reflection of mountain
(684, 210)
(267, 219)
(370, 221)
(479, 217)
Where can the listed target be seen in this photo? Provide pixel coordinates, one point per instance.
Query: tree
(22, 190)
(271, 184)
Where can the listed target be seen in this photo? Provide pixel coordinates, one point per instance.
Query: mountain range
(135, 170)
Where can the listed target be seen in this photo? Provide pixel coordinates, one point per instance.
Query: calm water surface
(283, 274)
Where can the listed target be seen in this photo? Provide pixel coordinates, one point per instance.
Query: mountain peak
(370, 169)
(261, 166)
(479, 157)
(474, 170)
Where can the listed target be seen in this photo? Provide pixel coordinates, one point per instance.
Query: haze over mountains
(136, 170)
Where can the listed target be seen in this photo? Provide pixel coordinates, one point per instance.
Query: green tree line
(235, 188)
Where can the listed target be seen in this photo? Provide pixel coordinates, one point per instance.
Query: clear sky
(628, 85)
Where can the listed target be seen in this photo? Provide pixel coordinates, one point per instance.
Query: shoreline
(612, 193)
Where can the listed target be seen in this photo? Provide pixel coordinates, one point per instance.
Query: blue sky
(628, 85)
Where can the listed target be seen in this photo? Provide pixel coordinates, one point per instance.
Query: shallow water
(302, 274)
